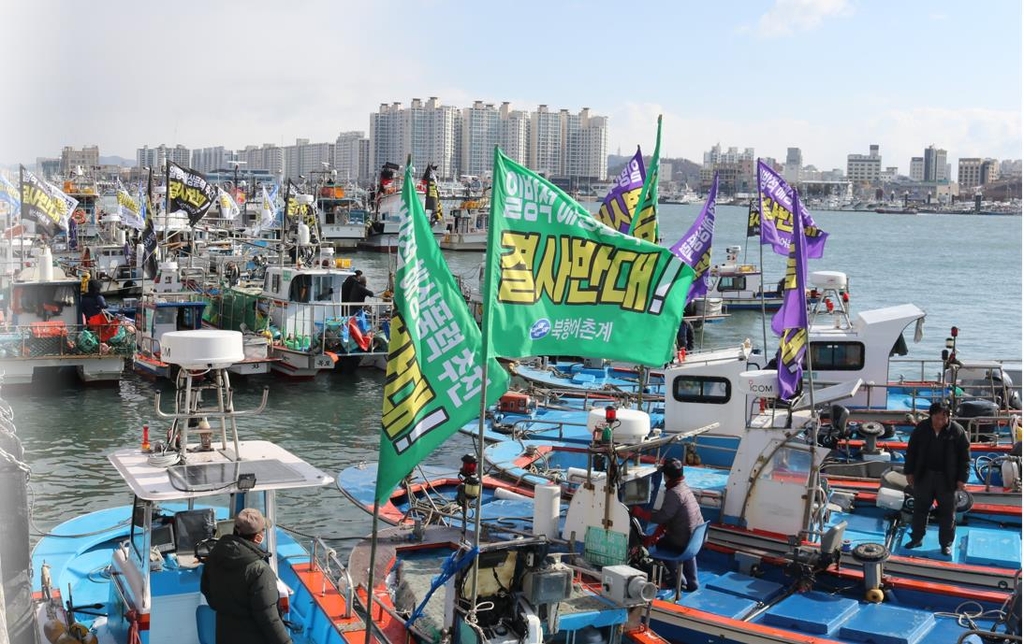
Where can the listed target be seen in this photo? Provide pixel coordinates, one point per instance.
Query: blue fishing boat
(130, 574)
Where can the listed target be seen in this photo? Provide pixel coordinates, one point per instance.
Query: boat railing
(56, 339)
(321, 321)
(334, 572)
(526, 428)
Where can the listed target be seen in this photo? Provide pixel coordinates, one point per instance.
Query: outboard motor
(806, 561)
(978, 430)
(838, 428)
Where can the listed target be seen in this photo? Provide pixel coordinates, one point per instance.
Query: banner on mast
(558, 282)
(434, 376)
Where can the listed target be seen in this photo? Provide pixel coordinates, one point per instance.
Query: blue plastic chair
(206, 624)
(697, 539)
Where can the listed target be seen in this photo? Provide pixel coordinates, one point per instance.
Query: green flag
(645, 221)
(558, 282)
(434, 374)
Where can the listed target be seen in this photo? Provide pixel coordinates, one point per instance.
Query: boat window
(732, 284)
(788, 464)
(322, 287)
(166, 315)
(713, 391)
(837, 356)
(191, 527)
(300, 289)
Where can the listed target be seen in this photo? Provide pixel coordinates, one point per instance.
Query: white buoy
(547, 501)
(303, 234)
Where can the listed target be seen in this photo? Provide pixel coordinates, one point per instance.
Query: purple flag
(777, 208)
(618, 206)
(791, 320)
(694, 247)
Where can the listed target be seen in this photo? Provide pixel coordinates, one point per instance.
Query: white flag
(228, 206)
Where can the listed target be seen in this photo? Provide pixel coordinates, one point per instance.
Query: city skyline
(828, 76)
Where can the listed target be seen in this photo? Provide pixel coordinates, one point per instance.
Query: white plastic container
(889, 499)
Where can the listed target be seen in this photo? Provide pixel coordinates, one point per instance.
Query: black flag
(189, 191)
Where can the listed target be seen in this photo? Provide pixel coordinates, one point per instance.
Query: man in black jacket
(241, 587)
(937, 464)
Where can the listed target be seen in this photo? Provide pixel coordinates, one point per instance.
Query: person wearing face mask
(240, 586)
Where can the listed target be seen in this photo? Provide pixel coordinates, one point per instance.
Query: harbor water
(963, 270)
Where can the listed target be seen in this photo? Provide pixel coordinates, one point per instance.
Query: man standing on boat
(937, 463)
(240, 586)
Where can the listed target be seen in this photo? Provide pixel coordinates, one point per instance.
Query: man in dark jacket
(677, 518)
(937, 463)
(346, 286)
(240, 586)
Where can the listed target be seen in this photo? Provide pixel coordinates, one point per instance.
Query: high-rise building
(545, 142)
(864, 167)
(304, 161)
(461, 141)
(387, 136)
(155, 158)
(794, 163)
(84, 161)
(973, 172)
(515, 133)
(917, 168)
(935, 168)
(481, 131)
(346, 157)
(210, 159)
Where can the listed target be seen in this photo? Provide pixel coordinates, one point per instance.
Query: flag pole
(760, 261)
(485, 322)
(373, 565)
(815, 475)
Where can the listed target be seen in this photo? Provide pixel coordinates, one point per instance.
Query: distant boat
(897, 211)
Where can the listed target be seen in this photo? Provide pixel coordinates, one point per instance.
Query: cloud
(787, 17)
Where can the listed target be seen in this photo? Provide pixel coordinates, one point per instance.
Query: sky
(831, 77)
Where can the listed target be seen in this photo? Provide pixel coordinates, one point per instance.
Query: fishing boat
(45, 329)
(312, 330)
(174, 303)
(431, 495)
(467, 229)
(755, 588)
(386, 215)
(343, 219)
(130, 574)
(741, 287)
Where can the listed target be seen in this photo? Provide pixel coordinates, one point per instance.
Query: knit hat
(672, 468)
(250, 521)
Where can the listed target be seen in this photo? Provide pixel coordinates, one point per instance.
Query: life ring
(78, 216)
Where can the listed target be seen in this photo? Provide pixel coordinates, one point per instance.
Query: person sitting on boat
(677, 517)
(937, 463)
(93, 303)
(240, 586)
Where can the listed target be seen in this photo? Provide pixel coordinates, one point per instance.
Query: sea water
(963, 270)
